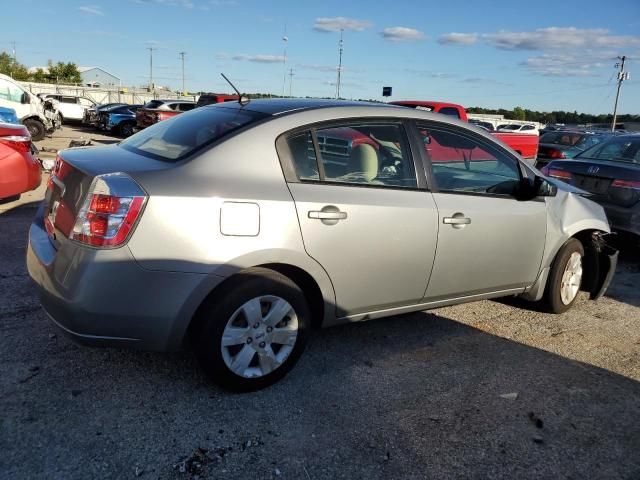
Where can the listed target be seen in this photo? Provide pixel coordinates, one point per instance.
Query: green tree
(518, 114)
(63, 72)
(10, 67)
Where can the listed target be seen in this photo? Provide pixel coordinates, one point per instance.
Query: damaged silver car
(238, 227)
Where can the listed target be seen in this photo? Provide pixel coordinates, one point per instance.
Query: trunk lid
(599, 178)
(71, 179)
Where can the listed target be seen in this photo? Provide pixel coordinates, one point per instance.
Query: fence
(105, 94)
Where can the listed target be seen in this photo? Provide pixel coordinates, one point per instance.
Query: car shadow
(412, 396)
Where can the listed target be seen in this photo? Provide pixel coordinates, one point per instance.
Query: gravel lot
(424, 395)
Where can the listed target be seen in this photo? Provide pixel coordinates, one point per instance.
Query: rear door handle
(327, 215)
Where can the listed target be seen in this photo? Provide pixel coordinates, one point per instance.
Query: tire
(554, 300)
(126, 129)
(252, 344)
(36, 129)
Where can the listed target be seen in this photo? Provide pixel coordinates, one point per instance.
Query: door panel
(499, 248)
(487, 241)
(377, 245)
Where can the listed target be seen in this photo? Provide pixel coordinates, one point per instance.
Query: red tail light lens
(626, 184)
(556, 173)
(556, 154)
(21, 143)
(109, 212)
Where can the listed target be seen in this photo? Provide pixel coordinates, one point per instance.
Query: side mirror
(529, 189)
(26, 98)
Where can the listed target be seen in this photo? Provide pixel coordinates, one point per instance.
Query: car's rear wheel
(565, 277)
(253, 331)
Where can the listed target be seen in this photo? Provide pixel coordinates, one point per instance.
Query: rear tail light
(110, 211)
(21, 143)
(634, 184)
(556, 154)
(556, 173)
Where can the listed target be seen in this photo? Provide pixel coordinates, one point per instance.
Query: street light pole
(339, 65)
(151, 49)
(285, 39)
(182, 54)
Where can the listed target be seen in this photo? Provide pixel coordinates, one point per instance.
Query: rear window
(568, 139)
(153, 104)
(180, 136)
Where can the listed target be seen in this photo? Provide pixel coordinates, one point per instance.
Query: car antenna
(242, 100)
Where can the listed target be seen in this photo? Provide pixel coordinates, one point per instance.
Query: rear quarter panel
(524, 144)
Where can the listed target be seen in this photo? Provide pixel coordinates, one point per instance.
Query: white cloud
(320, 68)
(559, 38)
(259, 58)
(335, 24)
(91, 10)
(458, 38)
(429, 74)
(562, 65)
(402, 34)
(189, 4)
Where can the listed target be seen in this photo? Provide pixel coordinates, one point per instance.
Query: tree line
(557, 116)
(58, 72)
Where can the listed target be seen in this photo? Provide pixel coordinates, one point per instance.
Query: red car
(156, 111)
(19, 170)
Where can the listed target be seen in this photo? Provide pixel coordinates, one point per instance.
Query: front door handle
(457, 220)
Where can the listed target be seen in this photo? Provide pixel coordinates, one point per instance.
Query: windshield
(619, 149)
(174, 139)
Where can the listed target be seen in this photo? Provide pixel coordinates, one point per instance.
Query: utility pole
(182, 54)
(285, 39)
(622, 76)
(339, 65)
(151, 49)
(291, 74)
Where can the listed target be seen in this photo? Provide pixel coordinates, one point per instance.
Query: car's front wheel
(565, 277)
(252, 331)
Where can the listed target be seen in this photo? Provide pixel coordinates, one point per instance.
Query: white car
(515, 127)
(70, 107)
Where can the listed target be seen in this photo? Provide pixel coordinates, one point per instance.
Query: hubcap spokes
(259, 336)
(571, 278)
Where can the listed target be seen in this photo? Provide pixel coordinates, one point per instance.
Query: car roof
(284, 105)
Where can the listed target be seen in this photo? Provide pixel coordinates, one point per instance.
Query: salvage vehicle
(156, 111)
(91, 114)
(525, 144)
(120, 120)
(610, 172)
(238, 227)
(28, 107)
(19, 167)
(563, 144)
(70, 107)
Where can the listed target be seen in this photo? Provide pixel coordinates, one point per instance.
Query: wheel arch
(321, 304)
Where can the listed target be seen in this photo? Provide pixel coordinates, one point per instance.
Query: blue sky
(542, 55)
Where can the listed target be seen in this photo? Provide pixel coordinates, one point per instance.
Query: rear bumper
(623, 219)
(20, 173)
(105, 298)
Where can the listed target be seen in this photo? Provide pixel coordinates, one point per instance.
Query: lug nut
(262, 344)
(256, 325)
(249, 340)
(269, 329)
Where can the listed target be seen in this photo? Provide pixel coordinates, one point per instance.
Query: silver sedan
(237, 228)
